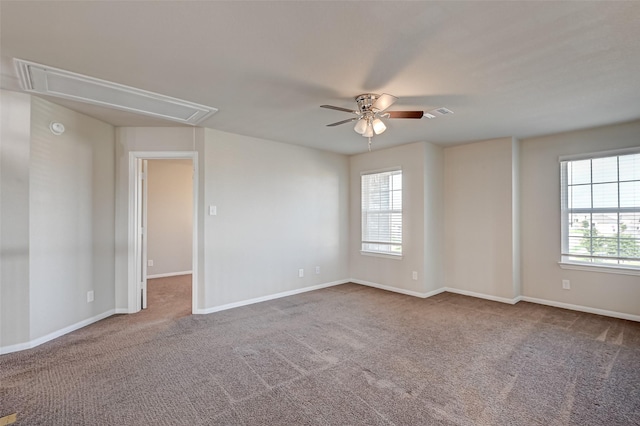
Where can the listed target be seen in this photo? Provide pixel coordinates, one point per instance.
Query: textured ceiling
(505, 68)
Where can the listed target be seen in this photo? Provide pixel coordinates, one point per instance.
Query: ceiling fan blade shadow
(405, 46)
(448, 100)
(342, 122)
(405, 114)
(383, 102)
(339, 108)
(287, 91)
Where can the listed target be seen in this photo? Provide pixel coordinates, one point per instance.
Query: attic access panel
(45, 80)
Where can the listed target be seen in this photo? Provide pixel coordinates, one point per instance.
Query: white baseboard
(484, 296)
(123, 311)
(15, 348)
(513, 301)
(268, 297)
(581, 308)
(168, 274)
(40, 340)
(36, 342)
(397, 290)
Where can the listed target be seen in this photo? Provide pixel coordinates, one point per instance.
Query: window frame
(371, 252)
(567, 259)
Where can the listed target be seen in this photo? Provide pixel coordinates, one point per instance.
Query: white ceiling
(505, 68)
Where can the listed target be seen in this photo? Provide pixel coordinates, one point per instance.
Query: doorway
(169, 190)
(168, 261)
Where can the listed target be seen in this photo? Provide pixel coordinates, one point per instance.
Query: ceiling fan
(371, 111)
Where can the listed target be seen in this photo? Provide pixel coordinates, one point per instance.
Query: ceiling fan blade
(342, 122)
(383, 102)
(339, 108)
(405, 114)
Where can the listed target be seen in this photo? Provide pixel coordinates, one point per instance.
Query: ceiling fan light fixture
(369, 132)
(361, 126)
(378, 126)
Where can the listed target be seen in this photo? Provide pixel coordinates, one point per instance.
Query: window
(382, 212)
(601, 210)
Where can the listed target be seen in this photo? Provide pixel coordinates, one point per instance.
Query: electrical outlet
(566, 284)
(90, 296)
(149, 262)
(414, 275)
(317, 269)
(300, 273)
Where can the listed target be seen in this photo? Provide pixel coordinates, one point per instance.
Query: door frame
(134, 300)
(140, 209)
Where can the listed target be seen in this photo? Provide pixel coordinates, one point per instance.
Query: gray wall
(479, 212)
(487, 211)
(421, 165)
(433, 217)
(540, 191)
(502, 221)
(280, 208)
(71, 215)
(57, 229)
(15, 136)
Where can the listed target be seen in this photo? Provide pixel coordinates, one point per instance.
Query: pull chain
(369, 143)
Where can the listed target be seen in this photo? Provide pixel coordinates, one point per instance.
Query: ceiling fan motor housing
(366, 101)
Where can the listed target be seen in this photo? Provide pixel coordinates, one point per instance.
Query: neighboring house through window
(382, 212)
(601, 209)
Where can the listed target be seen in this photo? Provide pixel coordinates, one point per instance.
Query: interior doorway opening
(163, 228)
(169, 222)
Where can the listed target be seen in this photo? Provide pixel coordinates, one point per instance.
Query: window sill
(385, 255)
(607, 269)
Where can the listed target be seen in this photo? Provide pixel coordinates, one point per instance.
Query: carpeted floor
(343, 355)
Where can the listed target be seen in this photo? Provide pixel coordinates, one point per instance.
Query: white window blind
(601, 210)
(382, 212)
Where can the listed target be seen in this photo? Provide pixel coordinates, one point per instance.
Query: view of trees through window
(601, 210)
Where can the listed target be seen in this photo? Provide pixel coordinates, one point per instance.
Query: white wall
(15, 136)
(71, 214)
(170, 216)
(280, 208)
(540, 191)
(421, 165)
(479, 231)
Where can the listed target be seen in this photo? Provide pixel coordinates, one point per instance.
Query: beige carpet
(343, 355)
